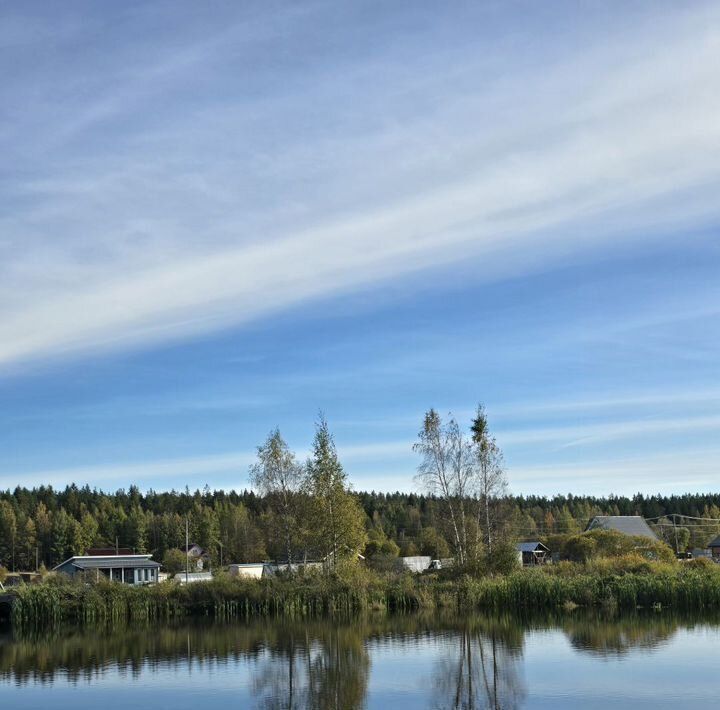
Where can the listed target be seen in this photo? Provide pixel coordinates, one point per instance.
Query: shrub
(503, 559)
(580, 548)
(174, 561)
(432, 543)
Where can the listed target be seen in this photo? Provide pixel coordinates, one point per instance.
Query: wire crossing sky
(215, 221)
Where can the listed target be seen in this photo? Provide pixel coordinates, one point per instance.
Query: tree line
(308, 511)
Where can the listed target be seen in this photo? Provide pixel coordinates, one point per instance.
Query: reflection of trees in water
(605, 636)
(483, 669)
(325, 663)
(329, 670)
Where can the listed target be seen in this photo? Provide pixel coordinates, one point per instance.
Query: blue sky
(218, 221)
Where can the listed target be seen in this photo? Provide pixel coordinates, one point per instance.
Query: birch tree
(445, 470)
(280, 477)
(488, 477)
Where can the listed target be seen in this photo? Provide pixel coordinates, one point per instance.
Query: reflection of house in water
(127, 569)
(532, 553)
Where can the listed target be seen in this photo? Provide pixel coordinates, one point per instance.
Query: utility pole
(37, 566)
(187, 546)
(221, 551)
(677, 546)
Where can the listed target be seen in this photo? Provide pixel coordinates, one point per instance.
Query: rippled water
(397, 662)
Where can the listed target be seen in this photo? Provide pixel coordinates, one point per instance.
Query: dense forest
(57, 524)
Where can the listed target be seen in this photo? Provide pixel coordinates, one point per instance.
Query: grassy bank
(624, 585)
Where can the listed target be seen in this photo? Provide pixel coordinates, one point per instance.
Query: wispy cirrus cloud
(158, 241)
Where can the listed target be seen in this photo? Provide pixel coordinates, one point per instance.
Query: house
(127, 569)
(417, 563)
(714, 548)
(253, 570)
(532, 553)
(626, 524)
(198, 557)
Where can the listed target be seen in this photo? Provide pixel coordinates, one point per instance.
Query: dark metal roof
(531, 547)
(114, 561)
(715, 542)
(627, 524)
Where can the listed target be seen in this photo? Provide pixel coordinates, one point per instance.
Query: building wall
(254, 572)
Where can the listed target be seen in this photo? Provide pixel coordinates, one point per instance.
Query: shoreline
(56, 601)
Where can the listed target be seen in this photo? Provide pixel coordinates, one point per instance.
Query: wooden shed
(532, 553)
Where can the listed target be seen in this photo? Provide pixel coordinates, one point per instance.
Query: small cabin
(532, 553)
(714, 548)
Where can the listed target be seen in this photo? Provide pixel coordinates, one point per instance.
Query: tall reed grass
(688, 588)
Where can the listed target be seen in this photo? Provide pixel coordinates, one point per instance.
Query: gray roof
(627, 524)
(114, 561)
(530, 547)
(715, 542)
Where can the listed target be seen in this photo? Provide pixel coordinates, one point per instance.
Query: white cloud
(556, 180)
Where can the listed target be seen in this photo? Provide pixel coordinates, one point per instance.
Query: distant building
(191, 577)
(532, 553)
(714, 548)
(417, 564)
(274, 568)
(626, 524)
(17, 579)
(127, 569)
(197, 556)
(253, 569)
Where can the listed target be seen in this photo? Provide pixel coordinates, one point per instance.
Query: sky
(216, 219)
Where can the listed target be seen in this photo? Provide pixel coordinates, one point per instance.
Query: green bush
(174, 561)
(503, 559)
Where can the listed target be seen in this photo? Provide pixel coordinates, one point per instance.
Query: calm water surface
(401, 662)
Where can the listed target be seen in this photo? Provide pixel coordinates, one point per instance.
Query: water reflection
(617, 637)
(476, 662)
(482, 669)
(314, 667)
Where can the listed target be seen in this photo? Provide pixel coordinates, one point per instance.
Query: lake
(654, 661)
